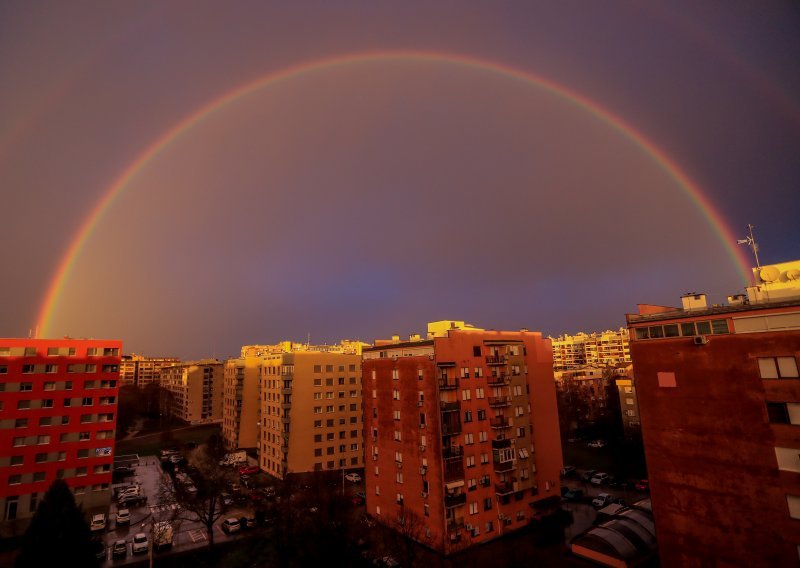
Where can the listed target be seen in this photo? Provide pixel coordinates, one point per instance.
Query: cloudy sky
(356, 169)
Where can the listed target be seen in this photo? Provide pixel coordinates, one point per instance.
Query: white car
(123, 517)
(599, 478)
(98, 522)
(602, 500)
(354, 477)
(597, 444)
(140, 543)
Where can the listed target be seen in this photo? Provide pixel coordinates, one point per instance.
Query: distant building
(597, 349)
(241, 408)
(585, 395)
(59, 414)
(311, 409)
(631, 419)
(196, 390)
(462, 439)
(719, 393)
(140, 371)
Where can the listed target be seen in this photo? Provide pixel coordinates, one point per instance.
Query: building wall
(241, 403)
(718, 494)
(312, 412)
(140, 371)
(58, 413)
(473, 423)
(196, 389)
(597, 349)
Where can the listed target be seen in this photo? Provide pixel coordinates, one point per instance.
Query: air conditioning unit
(423, 495)
(422, 448)
(374, 457)
(700, 339)
(399, 465)
(423, 470)
(420, 402)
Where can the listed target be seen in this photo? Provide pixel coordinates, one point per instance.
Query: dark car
(247, 522)
(573, 494)
(132, 501)
(568, 471)
(120, 549)
(248, 470)
(588, 475)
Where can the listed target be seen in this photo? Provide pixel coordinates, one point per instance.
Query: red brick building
(461, 434)
(58, 414)
(719, 397)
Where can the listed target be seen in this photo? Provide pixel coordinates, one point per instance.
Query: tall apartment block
(591, 349)
(462, 433)
(58, 414)
(719, 394)
(140, 371)
(241, 407)
(196, 390)
(311, 412)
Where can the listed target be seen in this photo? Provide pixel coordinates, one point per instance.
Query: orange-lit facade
(461, 434)
(58, 415)
(719, 396)
(140, 371)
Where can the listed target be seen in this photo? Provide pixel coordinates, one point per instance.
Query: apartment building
(140, 371)
(241, 407)
(596, 349)
(311, 411)
(719, 395)
(631, 417)
(58, 413)
(195, 390)
(461, 433)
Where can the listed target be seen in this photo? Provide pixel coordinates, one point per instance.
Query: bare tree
(200, 499)
(409, 532)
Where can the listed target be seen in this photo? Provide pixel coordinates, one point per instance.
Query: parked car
(120, 549)
(132, 501)
(642, 485)
(602, 500)
(568, 471)
(123, 517)
(248, 470)
(597, 444)
(354, 477)
(247, 523)
(573, 494)
(588, 475)
(599, 478)
(359, 498)
(231, 525)
(140, 543)
(98, 522)
(129, 492)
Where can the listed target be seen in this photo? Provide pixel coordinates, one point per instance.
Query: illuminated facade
(58, 408)
(241, 408)
(311, 413)
(140, 371)
(719, 393)
(591, 349)
(462, 441)
(196, 390)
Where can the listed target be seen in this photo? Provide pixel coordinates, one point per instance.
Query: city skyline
(190, 179)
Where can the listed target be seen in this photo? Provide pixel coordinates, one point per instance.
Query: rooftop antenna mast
(751, 242)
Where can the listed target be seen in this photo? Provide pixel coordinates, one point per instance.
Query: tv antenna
(751, 242)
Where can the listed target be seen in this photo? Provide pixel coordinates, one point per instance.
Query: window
(788, 459)
(396, 414)
(111, 368)
(318, 452)
(464, 372)
(521, 432)
(317, 369)
(83, 453)
(45, 421)
(317, 423)
(482, 414)
(484, 458)
(25, 387)
(476, 350)
(317, 438)
(353, 407)
(43, 439)
(472, 484)
(783, 412)
(47, 403)
(399, 477)
(21, 423)
(466, 395)
(41, 458)
(473, 508)
(14, 479)
(478, 371)
(483, 436)
(28, 369)
(395, 394)
(3, 370)
(87, 401)
(468, 439)
(17, 460)
(84, 436)
(80, 472)
(23, 404)
(86, 418)
(794, 506)
(68, 385)
(64, 420)
(467, 416)
(397, 436)
(470, 461)
(487, 505)
(67, 402)
(777, 367)
(479, 393)
(317, 410)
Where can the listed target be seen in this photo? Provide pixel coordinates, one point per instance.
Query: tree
(58, 534)
(209, 479)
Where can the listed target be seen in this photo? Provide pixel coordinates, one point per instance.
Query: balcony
(286, 390)
(501, 444)
(453, 471)
(504, 488)
(449, 406)
(452, 452)
(448, 384)
(496, 359)
(499, 381)
(497, 401)
(500, 422)
(455, 500)
(503, 467)
(286, 405)
(286, 419)
(449, 429)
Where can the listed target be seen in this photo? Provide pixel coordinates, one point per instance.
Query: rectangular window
(466, 395)
(17, 460)
(43, 439)
(80, 472)
(473, 508)
(45, 421)
(783, 412)
(25, 387)
(41, 458)
(777, 367)
(21, 423)
(47, 403)
(28, 369)
(14, 479)
(23, 404)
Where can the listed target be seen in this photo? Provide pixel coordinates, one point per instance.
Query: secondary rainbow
(690, 188)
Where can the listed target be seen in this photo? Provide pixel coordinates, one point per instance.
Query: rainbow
(650, 149)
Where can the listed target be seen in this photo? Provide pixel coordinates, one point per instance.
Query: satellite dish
(769, 274)
(793, 274)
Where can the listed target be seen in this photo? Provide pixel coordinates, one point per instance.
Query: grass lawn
(151, 444)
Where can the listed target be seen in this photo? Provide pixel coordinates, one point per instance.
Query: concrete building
(58, 405)
(462, 442)
(311, 413)
(631, 418)
(598, 349)
(195, 390)
(719, 394)
(241, 409)
(140, 371)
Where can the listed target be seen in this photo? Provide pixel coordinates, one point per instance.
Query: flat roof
(679, 313)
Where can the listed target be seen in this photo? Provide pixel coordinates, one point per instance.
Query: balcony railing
(500, 422)
(448, 384)
(449, 429)
(499, 381)
(504, 488)
(502, 467)
(496, 359)
(499, 401)
(455, 500)
(452, 452)
(449, 406)
(501, 443)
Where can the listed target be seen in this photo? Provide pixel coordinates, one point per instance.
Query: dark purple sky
(364, 200)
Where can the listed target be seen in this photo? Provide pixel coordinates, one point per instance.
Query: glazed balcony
(503, 467)
(455, 500)
(496, 359)
(504, 488)
(449, 406)
(452, 452)
(451, 428)
(501, 444)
